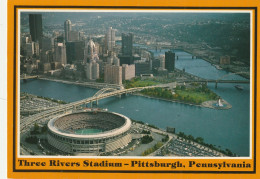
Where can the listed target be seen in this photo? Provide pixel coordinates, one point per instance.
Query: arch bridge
(101, 94)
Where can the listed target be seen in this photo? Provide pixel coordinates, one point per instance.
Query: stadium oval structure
(109, 131)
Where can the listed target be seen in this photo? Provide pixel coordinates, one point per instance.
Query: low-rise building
(224, 60)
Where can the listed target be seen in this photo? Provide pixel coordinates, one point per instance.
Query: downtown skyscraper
(35, 23)
(169, 61)
(127, 44)
(110, 39)
(67, 29)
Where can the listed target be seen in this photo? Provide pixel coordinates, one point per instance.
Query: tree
(181, 134)
(190, 137)
(44, 129)
(183, 87)
(31, 139)
(36, 127)
(199, 140)
(146, 139)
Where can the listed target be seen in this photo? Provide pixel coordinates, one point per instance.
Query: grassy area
(137, 82)
(193, 95)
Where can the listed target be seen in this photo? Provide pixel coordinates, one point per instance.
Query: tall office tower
(36, 48)
(110, 39)
(126, 60)
(116, 61)
(67, 29)
(108, 73)
(47, 43)
(60, 53)
(81, 36)
(113, 60)
(24, 40)
(75, 51)
(169, 61)
(117, 75)
(162, 61)
(128, 71)
(88, 69)
(32, 49)
(90, 51)
(95, 70)
(92, 70)
(127, 44)
(97, 47)
(29, 49)
(46, 56)
(35, 23)
(113, 74)
(74, 36)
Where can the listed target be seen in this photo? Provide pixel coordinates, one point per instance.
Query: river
(223, 128)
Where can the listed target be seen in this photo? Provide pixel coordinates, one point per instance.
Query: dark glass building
(35, 23)
(127, 44)
(126, 59)
(142, 68)
(75, 51)
(169, 61)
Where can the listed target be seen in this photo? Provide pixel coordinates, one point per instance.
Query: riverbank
(206, 104)
(93, 85)
(229, 68)
(163, 114)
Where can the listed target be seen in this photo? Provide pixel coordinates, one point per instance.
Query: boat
(218, 67)
(239, 87)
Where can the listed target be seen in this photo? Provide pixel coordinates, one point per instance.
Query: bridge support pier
(216, 85)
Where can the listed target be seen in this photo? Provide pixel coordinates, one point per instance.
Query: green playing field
(87, 131)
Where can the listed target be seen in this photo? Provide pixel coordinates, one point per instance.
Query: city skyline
(182, 61)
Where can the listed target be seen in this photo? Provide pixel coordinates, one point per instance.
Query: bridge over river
(101, 94)
(114, 90)
(214, 81)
